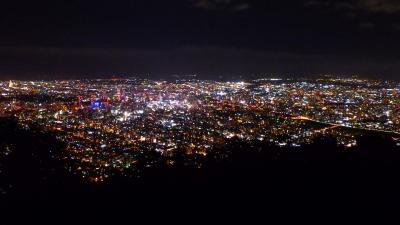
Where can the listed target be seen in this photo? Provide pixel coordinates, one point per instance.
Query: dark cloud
(207, 62)
(368, 14)
(371, 6)
(396, 26)
(379, 6)
(331, 3)
(230, 5)
(231, 36)
(241, 7)
(367, 25)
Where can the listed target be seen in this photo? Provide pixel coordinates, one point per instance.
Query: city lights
(105, 122)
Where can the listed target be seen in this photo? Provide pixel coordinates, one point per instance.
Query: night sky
(76, 38)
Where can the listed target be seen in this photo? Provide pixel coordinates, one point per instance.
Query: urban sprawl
(106, 123)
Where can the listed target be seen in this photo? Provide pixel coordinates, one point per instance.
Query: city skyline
(167, 109)
(107, 125)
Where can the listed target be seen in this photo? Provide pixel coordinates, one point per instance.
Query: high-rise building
(118, 94)
(79, 100)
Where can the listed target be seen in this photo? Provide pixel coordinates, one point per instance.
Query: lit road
(333, 126)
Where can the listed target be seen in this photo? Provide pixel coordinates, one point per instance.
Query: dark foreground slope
(256, 176)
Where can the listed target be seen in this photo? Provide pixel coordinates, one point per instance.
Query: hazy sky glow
(65, 39)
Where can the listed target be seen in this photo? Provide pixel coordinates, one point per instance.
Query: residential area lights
(104, 123)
